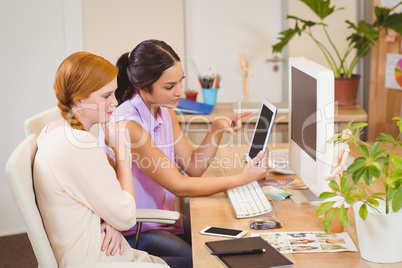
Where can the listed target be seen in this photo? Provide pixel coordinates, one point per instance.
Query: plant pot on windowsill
(346, 90)
(191, 95)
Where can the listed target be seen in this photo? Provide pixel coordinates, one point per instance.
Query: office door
(216, 31)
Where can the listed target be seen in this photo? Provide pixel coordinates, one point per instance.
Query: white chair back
(36, 123)
(19, 176)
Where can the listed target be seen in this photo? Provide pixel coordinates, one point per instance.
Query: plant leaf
(344, 184)
(385, 137)
(368, 177)
(356, 165)
(374, 171)
(287, 35)
(373, 201)
(363, 211)
(382, 160)
(360, 193)
(397, 160)
(377, 195)
(343, 216)
(363, 150)
(374, 149)
(329, 219)
(358, 125)
(320, 7)
(357, 175)
(393, 179)
(349, 199)
(397, 201)
(324, 207)
(326, 195)
(399, 123)
(335, 137)
(334, 186)
(351, 188)
(391, 193)
(394, 21)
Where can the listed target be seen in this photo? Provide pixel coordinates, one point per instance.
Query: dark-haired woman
(149, 86)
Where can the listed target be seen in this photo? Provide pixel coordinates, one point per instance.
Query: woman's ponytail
(125, 88)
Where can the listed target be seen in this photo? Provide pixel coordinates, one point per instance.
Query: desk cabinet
(195, 127)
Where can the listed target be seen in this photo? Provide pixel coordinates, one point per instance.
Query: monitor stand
(303, 197)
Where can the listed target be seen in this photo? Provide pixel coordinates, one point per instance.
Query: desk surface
(216, 210)
(343, 114)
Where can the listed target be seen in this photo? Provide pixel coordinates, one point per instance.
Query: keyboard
(249, 200)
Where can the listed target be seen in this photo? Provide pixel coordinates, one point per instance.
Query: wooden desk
(196, 126)
(216, 210)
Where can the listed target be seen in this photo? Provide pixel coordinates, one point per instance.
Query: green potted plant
(363, 36)
(377, 161)
(191, 94)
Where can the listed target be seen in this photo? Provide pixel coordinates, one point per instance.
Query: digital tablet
(262, 129)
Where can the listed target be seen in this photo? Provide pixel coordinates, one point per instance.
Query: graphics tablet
(262, 129)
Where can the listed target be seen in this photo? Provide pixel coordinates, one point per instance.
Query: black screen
(260, 135)
(223, 231)
(304, 109)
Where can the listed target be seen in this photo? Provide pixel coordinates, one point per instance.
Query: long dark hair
(142, 67)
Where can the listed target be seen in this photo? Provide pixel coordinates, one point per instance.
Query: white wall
(31, 49)
(217, 30)
(112, 28)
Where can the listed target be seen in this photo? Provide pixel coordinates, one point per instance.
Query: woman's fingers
(236, 120)
(257, 159)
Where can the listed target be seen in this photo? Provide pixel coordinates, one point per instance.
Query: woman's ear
(144, 90)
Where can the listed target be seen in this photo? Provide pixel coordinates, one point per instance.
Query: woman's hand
(113, 240)
(258, 167)
(230, 123)
(117, 137)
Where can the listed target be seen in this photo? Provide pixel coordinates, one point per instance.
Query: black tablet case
(270, 258)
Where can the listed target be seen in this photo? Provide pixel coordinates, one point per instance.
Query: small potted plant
(363, 36)
(378, 161)
(191, 94)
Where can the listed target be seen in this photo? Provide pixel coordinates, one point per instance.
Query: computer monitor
(311, 125)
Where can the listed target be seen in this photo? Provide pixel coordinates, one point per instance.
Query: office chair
(36, 123)
(19, 176)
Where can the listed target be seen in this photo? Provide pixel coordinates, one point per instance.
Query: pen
(240, 252)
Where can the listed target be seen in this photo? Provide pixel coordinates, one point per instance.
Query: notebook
(193, 107)
(270, 258)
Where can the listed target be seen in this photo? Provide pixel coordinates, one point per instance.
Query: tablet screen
(262, 129)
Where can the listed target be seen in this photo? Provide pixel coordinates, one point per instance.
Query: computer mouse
(265, 223)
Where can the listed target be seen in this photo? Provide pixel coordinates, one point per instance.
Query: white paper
(393, 72)
(308, 242)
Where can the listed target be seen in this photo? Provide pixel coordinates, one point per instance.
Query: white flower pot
(380, 235)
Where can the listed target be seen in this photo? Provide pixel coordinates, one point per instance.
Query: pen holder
(210, 95)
